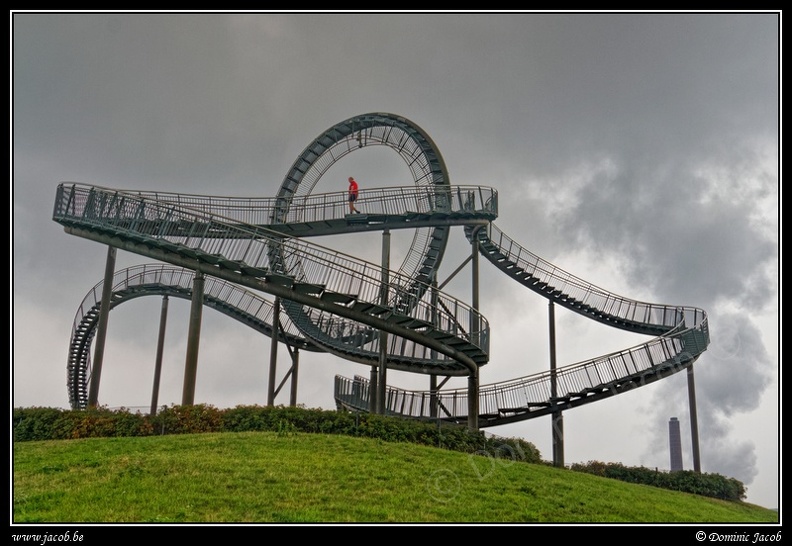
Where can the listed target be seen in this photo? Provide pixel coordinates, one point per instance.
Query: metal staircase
(576, 294)
(683, 334)
(334, 300)
(245, 306)
(337, 303)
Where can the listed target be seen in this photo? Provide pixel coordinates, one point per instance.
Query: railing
(192, 230)
(399, 200)
(637, 365)
(573, 287)
(685, 337)
(233, 296)
(161, 279)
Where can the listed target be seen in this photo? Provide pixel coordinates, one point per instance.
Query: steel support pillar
(373, 389)
(158, 362)
(101, 332)
(193, 340)
(558, 438)
(295, 367)
(434, 398)
(473, 399)
(475, 329)
(475, 326)
(274, 352)
(557, 416)
(383, 335)
(693, 419)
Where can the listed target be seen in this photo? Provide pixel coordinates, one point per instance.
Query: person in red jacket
(353, 194)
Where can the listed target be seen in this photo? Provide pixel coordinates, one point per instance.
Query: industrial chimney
(675, 444)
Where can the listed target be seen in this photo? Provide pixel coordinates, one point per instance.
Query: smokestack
(675, 444)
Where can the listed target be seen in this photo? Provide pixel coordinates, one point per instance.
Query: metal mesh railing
(391, 201)
(585, 293)
(192, 230)
(159, 279)
(686, 337)
(636, 365)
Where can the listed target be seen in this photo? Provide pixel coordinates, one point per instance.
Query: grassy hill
(298, 478)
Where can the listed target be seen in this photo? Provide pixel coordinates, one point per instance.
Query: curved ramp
(338, 303)
(682, 335)
(346, 296)
(243, 305)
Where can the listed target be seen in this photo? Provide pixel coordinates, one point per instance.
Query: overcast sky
(639, 152)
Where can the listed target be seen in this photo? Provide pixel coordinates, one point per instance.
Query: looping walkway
(339, 304)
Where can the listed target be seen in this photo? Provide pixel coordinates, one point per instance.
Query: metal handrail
(584, 292)
(159, 279)
(191, 230)
(391, 201)
(611, 374)
(685, 337)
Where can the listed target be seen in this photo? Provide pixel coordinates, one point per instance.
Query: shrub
(247, 419)
(190, 419)
(687, 481)
(35, 423)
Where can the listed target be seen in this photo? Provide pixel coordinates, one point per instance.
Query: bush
(49, 423)
(193, 419)
(687, 481)
(57, 424)
(247, 419)
(34, 423)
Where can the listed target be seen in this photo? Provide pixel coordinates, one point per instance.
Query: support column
(158, 363)
(193, 340)
(373, 389)
(557, 416)
(693, 419)
(274, 352)
(383, 335)
(473, 401)
(475, 328)
(101, 332)
(434, 398)
(295, 367)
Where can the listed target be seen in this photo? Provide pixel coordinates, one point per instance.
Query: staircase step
(409, 322)
(308, 288)
(277, 278)
(372, 309)
(439, 335)
(214, 259)
(336, 297)
(225, 263)
(186, 250)
(252, 270)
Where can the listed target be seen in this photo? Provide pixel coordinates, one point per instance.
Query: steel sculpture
(339, 304)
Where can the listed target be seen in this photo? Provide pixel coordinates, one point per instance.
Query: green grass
(270, 477)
